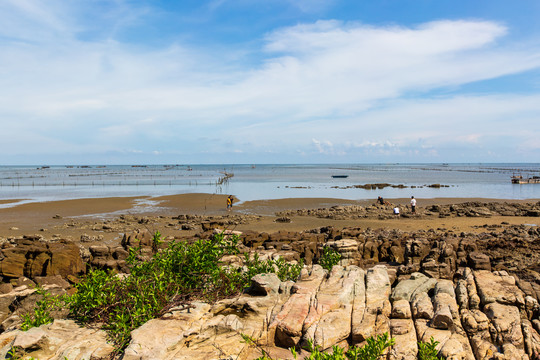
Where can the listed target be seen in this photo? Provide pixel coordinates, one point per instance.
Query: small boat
(340, 176)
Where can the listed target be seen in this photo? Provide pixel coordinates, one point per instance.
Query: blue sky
(274, 81)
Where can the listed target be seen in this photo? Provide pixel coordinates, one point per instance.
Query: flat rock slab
(498, 287)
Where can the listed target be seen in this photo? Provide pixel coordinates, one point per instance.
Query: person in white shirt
(413, 204)
(396, 211)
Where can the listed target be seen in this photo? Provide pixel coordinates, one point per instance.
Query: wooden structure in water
(518, 179)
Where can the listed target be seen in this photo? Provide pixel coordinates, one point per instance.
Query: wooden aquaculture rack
(518, 179)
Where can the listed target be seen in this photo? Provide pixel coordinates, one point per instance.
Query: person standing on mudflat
(413, 204)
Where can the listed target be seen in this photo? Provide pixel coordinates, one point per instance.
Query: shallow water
(249, 182)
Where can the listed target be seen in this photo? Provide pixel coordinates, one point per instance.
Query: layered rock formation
(477, 295)
(32, 256)
(482, 315)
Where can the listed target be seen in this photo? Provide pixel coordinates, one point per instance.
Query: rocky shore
(476, 293)
(466, 209)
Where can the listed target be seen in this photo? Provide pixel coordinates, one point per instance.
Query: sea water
(268, 181)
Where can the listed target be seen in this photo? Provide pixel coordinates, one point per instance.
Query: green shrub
(427, 350)
(123, 304)
(285, 271)
(336, 354)
(374, 349)
(16, 353)
(41, 314)
(329, 258)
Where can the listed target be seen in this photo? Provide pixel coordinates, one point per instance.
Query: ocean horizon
(32, 183)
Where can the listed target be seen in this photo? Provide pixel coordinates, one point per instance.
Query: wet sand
(9, 201)
(35, 217)
(32, 217)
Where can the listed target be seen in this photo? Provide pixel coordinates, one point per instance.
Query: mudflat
(75, 217)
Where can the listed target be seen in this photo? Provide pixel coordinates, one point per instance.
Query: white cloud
(345, 67)
(373, 144)
(26, 21)
(470, 138)
(436, 37)
(341, 82)
(323, 146)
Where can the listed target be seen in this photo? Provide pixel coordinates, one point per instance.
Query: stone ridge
(466, 209)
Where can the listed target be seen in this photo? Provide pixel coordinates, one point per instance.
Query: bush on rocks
(178, 274)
